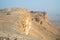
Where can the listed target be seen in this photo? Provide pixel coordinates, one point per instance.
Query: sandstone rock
(20, 21)
(50, 31)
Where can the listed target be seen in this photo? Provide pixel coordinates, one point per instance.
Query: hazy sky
(50, 6)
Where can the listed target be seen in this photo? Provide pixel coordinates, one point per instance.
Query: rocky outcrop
(47, 28)
(19, 21)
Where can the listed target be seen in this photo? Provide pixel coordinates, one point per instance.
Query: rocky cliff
(21, 21)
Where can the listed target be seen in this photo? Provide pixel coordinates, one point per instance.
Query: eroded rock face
(18, 21)
(14, 21)
(20, 17)
(47, 28)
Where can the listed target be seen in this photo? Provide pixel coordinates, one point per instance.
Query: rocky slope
(29, 24)
(50, 31)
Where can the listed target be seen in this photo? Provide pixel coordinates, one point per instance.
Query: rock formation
(50, 31)
(20, 21)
